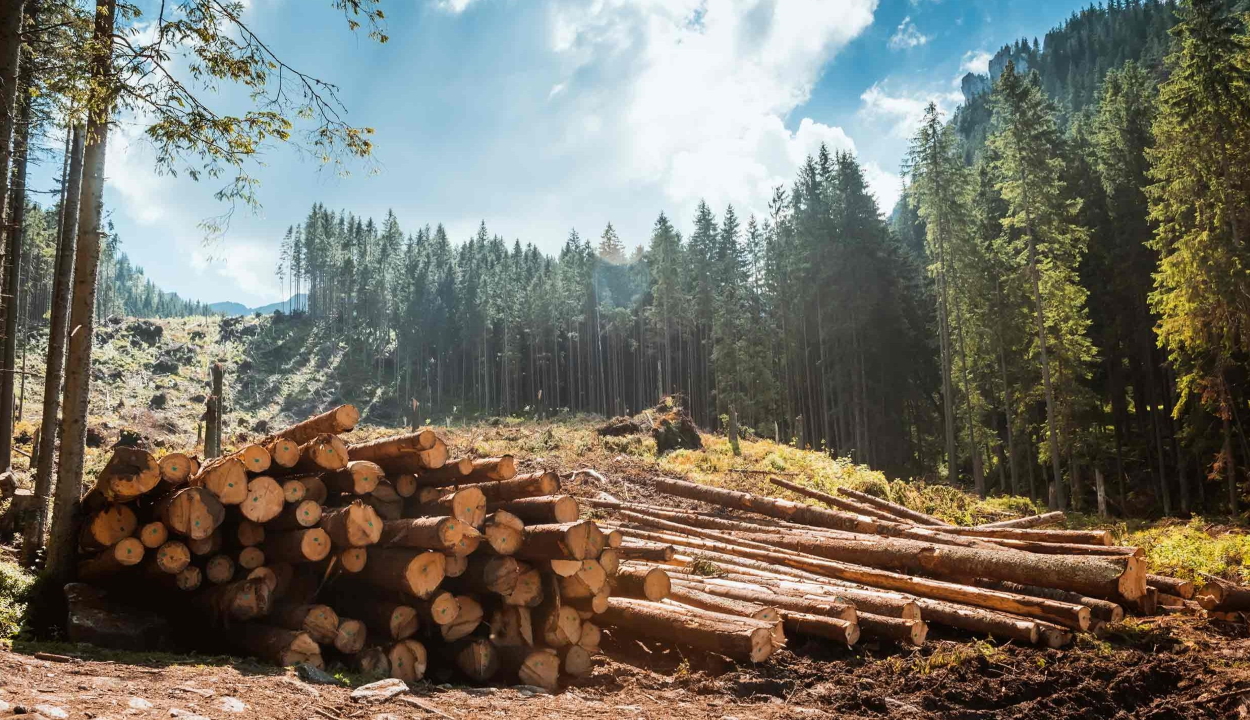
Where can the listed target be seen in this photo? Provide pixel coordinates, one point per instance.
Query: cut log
(733, 637)
(467, 504)
(241, 600)
(130, 472)
(297, 546)
(350, 639)
(692, 596)
(405, 485)
(418, 462)
(541, 510)
(453, 472)
(303, 514)
(321, 622)
(431, 533)
(529, 588)
(106, 528)
(356, 525)
(1050, 548)
(1099, 609)
(176, 468)
(582, 540)
(643, 583)
(651, 552)
(255, 458)
(225, 477)
(265, 499)
(284, 452)
(360, 477)
(558, 625)
(512, 626)
(1222, 596)
(539, 667)
(321, 454)
(489, 575)
(1080, 537)
(204, 547)
(1030, 521)
(1173, 586)
(440, 609)
(193, 512)
(504, 532)
(125, 553)
(385, 618)
(900, 511)
(877, 602)
(293, 491)
(590, 637)
(173, 557)
(250, 533)
(276, 645)
(521, 486)
(388, 504)
(189, 579)
(408, 660)
(353, 560)
(575, 660)
(393, 447)
(1000, 625)
(251, 558)
(154, 534)
(372, 663)
(314, 489)
(840, 631)
(455, 565)
(477, 658)
(907, 631)
(416, 572)
(761, 595)
(467, 620)
(610, 559)
(339, 420)
(219, 569)
(590, 580)
(834, 501)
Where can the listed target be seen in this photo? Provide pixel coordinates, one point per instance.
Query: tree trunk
(1031, 521)
(82, 316)
(738, 638)
(10, 58)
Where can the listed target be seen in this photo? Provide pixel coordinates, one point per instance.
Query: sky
(543, 116)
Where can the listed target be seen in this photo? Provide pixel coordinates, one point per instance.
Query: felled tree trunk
(737, 638)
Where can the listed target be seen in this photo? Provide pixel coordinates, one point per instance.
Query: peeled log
(339, 420)
(431, 533)
(225, 477)
(264, 500)
(356, 525)
(360, 477)
(107, 527)
(1030, 521)
(733, 637)
(193, 512)
(127, 552)
(393, 447)
(297, 546)
(542, 510)
(416, 572)
(277, 645)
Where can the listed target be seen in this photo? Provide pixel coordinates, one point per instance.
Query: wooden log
(385, 618)
(431, 533)
(477, 658)
(251, 558)
(360, 477)
(1223, 596)
(303, 514)
(176, 467)
(900, 511)
(371, 662)
(840, 631)
(538, 666)
(1080, 537)
(353, 560)
(323, 453)
(1049, 548)
(529, 588)
(912, 632)
(293, 491)
(356, 525)
(388, 504)
(264, 500)
(408, 660)
(1099, 609)
(405, 484)
(558, 625)
(541, 510)
(225, 477)
(877, 602)
(979, 620)
(393, 447)
(467, 470)
(522, 486)
(761, 595)
(453, 472)
(590, 580)
(250, 533)
(837, 502)
(338, 420)
(455, 565)
(512, 626)
(416, 572)
(772, 507)
(504, 532)
(693, 597)
(153, 534)
(125, 553)
(314, 489)
(276, 645)
(644, 583)
(193, 512)
(488, 575)
(350, 639)
(219, 569)
(651, 552)
(440, 609)
(256, 459)
(205, 547)
(733, 637)
(188, 580)
(173, 557)
(1173, 586)
(297, 546)
(582, 540)
(241, 600)
(467, 619)
(107, 527)
(284, 452)
(1030, 521)
(129, 473)
(467, 504)
(417, 462)
(575, 661)
(321, 622)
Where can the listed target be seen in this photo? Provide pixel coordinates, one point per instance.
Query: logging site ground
(149, 376)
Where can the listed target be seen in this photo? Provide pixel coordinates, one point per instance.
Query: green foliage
(1193, 550)
(16, 586)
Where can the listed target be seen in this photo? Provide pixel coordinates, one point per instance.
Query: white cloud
(700, 90)
(453, 6)
(907, 36)
(905, 109)
(887, 186)
(976, 61)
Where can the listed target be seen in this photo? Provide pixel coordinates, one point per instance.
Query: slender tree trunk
(11, 14)
(82, 316)
(1050, 392)
(56, 344)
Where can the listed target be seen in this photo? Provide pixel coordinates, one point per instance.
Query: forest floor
(1164, 667)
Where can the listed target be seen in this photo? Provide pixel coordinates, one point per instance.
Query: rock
(158, 401)
(138, 703)
(380, 691)
(185, 715)
(52, 711)
(314, 674)
(231, 704)
(94, 619)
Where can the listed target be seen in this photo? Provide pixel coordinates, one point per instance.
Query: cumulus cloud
(453, 6)
(699, 90)
(904, 109)
(976, 61)
(907, 36)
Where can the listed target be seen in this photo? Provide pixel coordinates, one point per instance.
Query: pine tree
(610, 247)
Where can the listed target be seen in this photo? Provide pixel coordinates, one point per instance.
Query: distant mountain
(233, 308)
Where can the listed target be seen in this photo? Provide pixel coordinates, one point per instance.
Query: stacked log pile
(392, 557)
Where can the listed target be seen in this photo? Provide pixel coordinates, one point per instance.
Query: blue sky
(539, 116)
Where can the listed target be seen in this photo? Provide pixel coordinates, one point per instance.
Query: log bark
(225, 477)
(836, 502)
(297, 546)
(737, 638)
(393, 447)
(652, 552)
(360, 477)
(431, 533)
(541, 510)
(417, 462)
(193, 512)
(1030, 521)
(356, 525)
(109, 562)
(1173, 586)
(338, 420)
(320, 622)
(416, 572)
(276, 645)
(1222, 596)
(107, 527)
(761, 595)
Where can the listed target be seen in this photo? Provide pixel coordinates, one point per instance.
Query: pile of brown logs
(384, 555)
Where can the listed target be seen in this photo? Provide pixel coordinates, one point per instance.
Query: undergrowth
(16, 587)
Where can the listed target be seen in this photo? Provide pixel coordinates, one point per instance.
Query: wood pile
(391, 557)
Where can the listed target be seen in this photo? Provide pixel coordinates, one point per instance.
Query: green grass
(16, 586)
(1194, 550)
